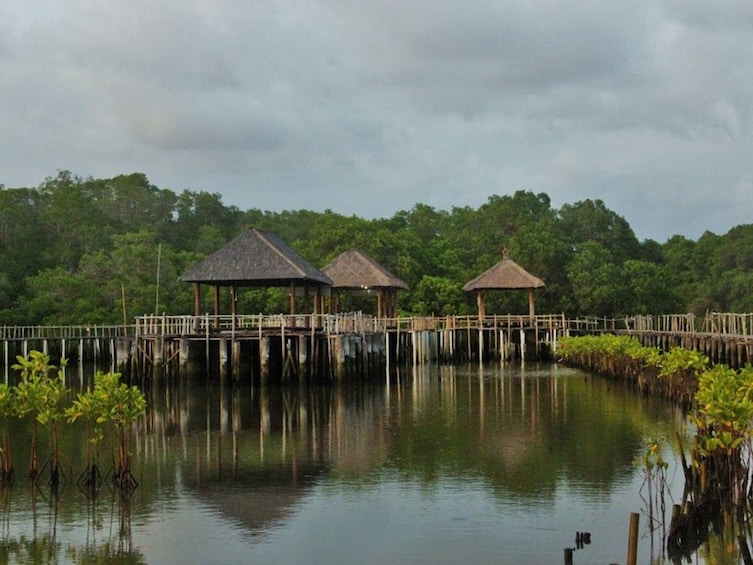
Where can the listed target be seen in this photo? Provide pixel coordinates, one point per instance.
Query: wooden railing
(715, 323)
(63, 332)
(354, 322)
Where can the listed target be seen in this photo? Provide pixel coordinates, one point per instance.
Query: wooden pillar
(264, 359)
(197, 300)
(223, 358)
(183, 352)
(159, 345)
(302, 356)
(236, 360)
(380, 305)
(216, 304)
(481, 306)
(531, 309)
(306, 304)
(292, 298)
(480, 344)
(339, 356)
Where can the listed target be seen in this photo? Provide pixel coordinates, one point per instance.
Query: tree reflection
(254, 454)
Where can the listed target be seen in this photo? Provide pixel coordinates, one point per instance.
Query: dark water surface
(493, 464)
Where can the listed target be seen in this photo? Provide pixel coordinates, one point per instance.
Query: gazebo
(505, 275)
(354, 271)
(256, 258)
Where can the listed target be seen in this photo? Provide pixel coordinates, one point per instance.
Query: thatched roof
(506, 274)
(355, 270)
(256, 258)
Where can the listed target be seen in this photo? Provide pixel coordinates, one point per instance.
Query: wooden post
(264, 359)
(223, 360)
(183, 352)
(339, 356)
(531, 309)
(196, 304)
(292, 298)
(302, 356)
(632, 553)
(216, 305)
(159, 344)
(236, 360)
(481, 344)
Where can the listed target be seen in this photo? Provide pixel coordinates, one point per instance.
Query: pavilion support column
(216, 305)
(306, 305)
(235, 346)
(531, 309)
(292, 304)
(380, 305)
(481, 306)
(196, 306)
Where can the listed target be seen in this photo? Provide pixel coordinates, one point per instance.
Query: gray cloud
(370, 107)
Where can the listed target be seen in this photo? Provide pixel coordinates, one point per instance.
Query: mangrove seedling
(8, 410)
(40, 394)
(654, 468)
(116, 405)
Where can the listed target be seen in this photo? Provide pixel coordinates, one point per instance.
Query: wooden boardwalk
(341, 345)
(335, 346)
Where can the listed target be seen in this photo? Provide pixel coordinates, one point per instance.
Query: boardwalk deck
(273, 348)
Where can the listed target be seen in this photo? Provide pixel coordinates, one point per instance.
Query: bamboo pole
(632, 553)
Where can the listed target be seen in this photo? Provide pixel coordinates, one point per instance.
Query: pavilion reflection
(255, 452)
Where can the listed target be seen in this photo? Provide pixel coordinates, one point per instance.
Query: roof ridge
(263, 235)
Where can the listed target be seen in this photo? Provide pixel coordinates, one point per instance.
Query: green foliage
(608, 345)
(72, 247)
(40, 393)
(651, 460)
(110, 404)
(678, 362)
(440, 296)
(725, 402)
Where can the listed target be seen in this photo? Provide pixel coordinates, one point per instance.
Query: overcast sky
(369, 107)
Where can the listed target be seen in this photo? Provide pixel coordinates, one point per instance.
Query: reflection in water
(441, 464)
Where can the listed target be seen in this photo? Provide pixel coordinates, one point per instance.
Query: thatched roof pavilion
(357, 272)
(256, 258)
(505, 275)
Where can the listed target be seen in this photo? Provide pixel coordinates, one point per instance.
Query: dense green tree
(438, 296)
(596, 281)
(72, 220)
(590, 220)
(72, 249)
(649, 289)
(57, 296)
(195, 210)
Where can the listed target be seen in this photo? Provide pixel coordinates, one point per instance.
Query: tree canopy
(82, 250)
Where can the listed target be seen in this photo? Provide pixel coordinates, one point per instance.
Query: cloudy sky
(369, 107)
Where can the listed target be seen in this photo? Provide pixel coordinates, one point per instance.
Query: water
(500, 464)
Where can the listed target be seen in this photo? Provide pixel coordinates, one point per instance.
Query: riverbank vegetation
(82, 250)
(41, 396)
(719, 403)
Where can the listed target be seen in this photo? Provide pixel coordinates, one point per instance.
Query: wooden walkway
(281, 347)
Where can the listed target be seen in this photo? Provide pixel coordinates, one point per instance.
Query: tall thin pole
(125, 317)
(159, 260)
